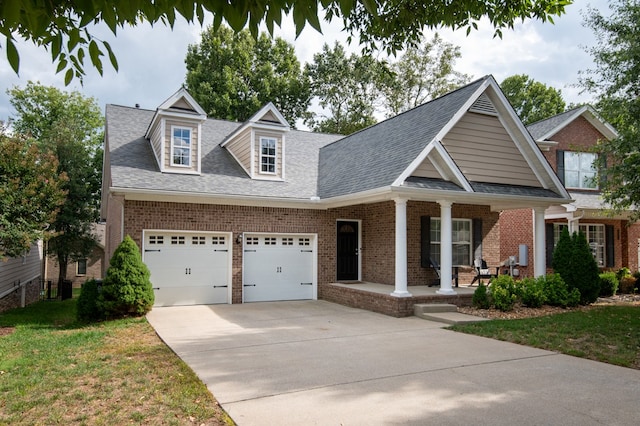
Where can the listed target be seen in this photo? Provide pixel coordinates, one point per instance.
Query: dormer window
(180, 146)
(268, 155)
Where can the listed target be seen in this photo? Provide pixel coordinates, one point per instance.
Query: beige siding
(240, 147)
(183, 104)
(21, 269)
(269, 117)
(279, 153)
(194, 145)
(484, 151)
(156, 140)
(427, 169)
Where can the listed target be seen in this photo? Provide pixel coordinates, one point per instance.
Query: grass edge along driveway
(608, 334)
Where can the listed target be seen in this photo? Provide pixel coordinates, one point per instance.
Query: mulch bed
(5, 331)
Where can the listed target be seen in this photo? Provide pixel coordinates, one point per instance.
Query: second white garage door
(188, 268)
(279, 267)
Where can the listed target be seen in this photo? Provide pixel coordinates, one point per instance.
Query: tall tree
(64, 28)
(347, 88)
(615, 82)
(423, 73)
(532, 100)
(232, 75)
(30, 193)
(68, 126)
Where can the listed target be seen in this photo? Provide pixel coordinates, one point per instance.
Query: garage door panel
(187, 268)
(193, 295)
(278, 268)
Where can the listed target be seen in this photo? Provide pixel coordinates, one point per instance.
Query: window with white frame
(580, 170)
(81, 267)
(268, 155)
(460, 239)
(180, 146)
(595, 234)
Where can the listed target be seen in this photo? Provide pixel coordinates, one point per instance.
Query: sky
(152, 68)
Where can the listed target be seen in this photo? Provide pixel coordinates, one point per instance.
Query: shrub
(627, 285)
(608, 284)
(531, 291)
(623, 273)
(503, 292)
(481, 298)
(557, 293)
(573, 260)
(87, 309)
(127, 289)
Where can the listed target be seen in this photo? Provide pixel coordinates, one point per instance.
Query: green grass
(54, 370)
(608, 334)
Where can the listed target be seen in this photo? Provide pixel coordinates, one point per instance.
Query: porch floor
(377, 297)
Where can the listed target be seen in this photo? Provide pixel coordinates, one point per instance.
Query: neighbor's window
(580, 170)
(81, 267)
(268, 155)
(460, 238)
(595, 234)
(180, 146)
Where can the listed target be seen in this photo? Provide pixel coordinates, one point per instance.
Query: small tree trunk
(63, 262)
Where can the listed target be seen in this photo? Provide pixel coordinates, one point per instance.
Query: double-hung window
(460, 238)
(580, 170)
(268, 155)
(180, 146)
(81, 267)
(595, 234)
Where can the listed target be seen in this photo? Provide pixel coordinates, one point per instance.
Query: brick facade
(377, 229)
(95, 264)
(517, 225)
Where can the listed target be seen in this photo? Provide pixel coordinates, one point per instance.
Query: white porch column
(401, 249)
(539, 243)
(446, 249)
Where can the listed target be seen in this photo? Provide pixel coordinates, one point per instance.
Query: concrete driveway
(318, 363)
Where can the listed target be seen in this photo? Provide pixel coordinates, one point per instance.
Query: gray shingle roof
(376, 156)
(133, 164)
(542, 127)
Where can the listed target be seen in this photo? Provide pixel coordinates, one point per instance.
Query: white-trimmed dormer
(175, 134)
(259, 144)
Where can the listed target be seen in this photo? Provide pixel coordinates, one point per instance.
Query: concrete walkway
(318, 363)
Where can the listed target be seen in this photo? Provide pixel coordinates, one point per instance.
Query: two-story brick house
(567, 142)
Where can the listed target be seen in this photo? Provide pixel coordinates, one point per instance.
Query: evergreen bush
(608, 284)
(573, 260)
(87, 309)
(126, 289)
(480, 298)
(503, 292)
(586, 275)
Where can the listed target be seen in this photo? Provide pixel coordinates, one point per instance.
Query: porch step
(443, 313)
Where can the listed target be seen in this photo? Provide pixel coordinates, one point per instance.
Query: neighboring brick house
(20, 279)
(228, 212)
(566, 141)
(84, 269)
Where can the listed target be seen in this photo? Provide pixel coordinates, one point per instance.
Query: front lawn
(55, 371)
(608, 334)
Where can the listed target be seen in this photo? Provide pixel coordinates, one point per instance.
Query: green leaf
(12, 55)
(371, 6)
(112, 57)
(68, 76)
(62, 64)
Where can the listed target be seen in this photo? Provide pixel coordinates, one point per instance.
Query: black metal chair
(436, 266)
(483, 271)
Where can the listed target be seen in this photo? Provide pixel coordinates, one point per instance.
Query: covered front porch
(378, 298)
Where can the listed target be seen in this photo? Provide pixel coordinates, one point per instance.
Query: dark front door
(347, 251)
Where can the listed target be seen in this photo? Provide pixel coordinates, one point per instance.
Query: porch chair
(482, 271)
(436, 267)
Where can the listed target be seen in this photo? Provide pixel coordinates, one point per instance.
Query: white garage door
(278, 267)
(188, 268)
